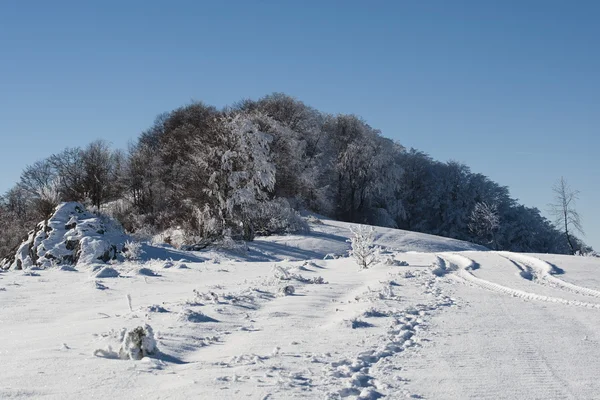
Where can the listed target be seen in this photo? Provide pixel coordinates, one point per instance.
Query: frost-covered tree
(362, 247)
(484, 222)
(48, 197)
(98, 167)
(245, 175)
(248, 169)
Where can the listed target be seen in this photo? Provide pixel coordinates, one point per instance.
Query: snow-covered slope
(485, 325)
(330, 237)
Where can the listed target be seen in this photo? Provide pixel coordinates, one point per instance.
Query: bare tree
(98, 166)
(566, 218)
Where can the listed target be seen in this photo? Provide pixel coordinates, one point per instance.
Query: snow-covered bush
(391, 261)
(288, 290)
(311, 219)
(72, 235)
(132, 250)
(362, 249)
(187, 315)
(228, 243)
(281, 273)
(175, 237)
(276, 217)
(138, 343)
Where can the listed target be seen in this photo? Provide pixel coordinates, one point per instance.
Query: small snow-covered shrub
(155, 308)
(391, 261)
(374, 313)
(288, 290)
(172, 236)
(228, 243)
(201, 297)
(587, 253)
(284, 274)
(311, 219)
(409, 274)
(333, 256)
(317, 280)
(362, 249)
(356, 323)
(147, 272)
(132, 250)
(281, 273)
(138, 343)
(188, 315)
(277, 217)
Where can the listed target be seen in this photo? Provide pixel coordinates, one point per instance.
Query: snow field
(455, 323)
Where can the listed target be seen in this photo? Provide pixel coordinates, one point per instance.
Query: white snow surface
(485, 325)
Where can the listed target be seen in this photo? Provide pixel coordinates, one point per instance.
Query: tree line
(247, 169)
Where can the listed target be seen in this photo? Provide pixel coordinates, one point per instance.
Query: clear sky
(511, 88)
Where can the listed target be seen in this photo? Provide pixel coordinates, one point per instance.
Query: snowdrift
(71, 236)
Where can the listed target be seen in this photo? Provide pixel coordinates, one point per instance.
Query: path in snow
(501, 347)
(498, 273)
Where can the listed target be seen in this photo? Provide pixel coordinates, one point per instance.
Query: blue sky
(511, 88)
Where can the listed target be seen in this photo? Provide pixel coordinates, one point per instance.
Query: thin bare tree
(566, 217)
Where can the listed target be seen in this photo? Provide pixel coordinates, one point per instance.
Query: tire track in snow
(543, 272)
(463, 265)
(538, 368)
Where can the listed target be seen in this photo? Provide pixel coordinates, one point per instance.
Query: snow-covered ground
(457, 322)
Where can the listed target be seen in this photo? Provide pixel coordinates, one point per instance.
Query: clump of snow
(188, 315)
(99, 285)
(71, 235)
(391, 261)
(374, 313)
(369, 394)
(440, 267)
(138, 343)
(147, 272)
(106, 272)
(357, 323)
(155, 308)
(288, 290)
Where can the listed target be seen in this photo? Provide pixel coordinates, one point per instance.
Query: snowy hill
(438, 319)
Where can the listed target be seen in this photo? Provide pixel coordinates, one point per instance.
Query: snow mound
(106, 272)
(70, 236)
(194, 316)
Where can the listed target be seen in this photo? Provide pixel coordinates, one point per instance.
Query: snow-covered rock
(72, 235)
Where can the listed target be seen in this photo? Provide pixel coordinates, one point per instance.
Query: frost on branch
(362, 249)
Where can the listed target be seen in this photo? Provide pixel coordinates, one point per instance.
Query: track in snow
(463, 267)
(544, 272)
